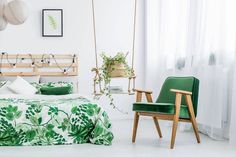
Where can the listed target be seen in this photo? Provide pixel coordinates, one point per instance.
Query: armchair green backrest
(190, 84)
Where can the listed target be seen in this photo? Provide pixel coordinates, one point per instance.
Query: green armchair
(170, 105)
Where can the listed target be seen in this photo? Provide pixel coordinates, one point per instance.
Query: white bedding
(29, 120)
(42, 97)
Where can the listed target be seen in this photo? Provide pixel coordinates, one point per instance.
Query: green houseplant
(112, 67)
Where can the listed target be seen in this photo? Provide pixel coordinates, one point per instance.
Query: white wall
(114, 26)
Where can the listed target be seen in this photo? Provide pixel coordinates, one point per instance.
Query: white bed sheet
(44, 97)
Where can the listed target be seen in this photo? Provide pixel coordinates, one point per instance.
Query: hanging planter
(116, 66)
(112, 67)
(117, 70)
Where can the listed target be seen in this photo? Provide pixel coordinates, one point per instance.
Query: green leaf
(98, 130)
(63, 127)
(90, 112)
(49, 134)
(10, 108)
(74, 110)
(40, 120)
(30, 135)
(33, 120)
(66, 121)
(10, 116)
(14, 109)
(50, 126)
(18, 114)
(53, 110)
(38, 109)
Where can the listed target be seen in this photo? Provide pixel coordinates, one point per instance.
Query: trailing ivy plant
(109, 61)
(105, 70)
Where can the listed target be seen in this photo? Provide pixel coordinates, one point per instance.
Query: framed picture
(52, 23)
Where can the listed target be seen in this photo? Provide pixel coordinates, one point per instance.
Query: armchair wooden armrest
(181, 91)
(143, 91)
(147, 94)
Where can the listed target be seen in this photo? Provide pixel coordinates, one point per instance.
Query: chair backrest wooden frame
(34, 64)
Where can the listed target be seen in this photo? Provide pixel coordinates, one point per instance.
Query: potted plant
(112, 67)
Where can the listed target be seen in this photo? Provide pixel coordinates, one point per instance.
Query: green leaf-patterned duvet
(52, 120)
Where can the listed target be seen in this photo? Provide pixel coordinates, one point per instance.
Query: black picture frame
(45, 32)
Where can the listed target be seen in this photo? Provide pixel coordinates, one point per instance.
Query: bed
(36, 119)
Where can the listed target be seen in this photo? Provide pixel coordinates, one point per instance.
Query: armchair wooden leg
(157, 126)
(176, 119)
(174, 130)
(192, 116)
(135, 126)
(195, 128)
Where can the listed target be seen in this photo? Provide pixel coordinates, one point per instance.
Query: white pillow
(20, 86)
(5, 90)
(30, 79)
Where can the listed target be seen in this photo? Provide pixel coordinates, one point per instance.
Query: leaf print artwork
(60, 121)
(52, 22)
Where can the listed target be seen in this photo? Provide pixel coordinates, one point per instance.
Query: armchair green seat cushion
(162, 108)
(165, 102)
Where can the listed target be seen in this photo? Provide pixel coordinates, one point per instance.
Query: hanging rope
(94, 33)
(134, 34)
(133, 49)
(96, 52)
(97, 76)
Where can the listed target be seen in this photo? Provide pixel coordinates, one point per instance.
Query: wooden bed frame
(55, 68)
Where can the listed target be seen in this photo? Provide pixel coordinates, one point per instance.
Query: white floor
(147, 145)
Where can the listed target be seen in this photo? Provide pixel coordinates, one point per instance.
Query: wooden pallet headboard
(38, 64)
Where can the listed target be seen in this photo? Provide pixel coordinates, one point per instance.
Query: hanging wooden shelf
(124, 77)
(118, 93)
(125, 93)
